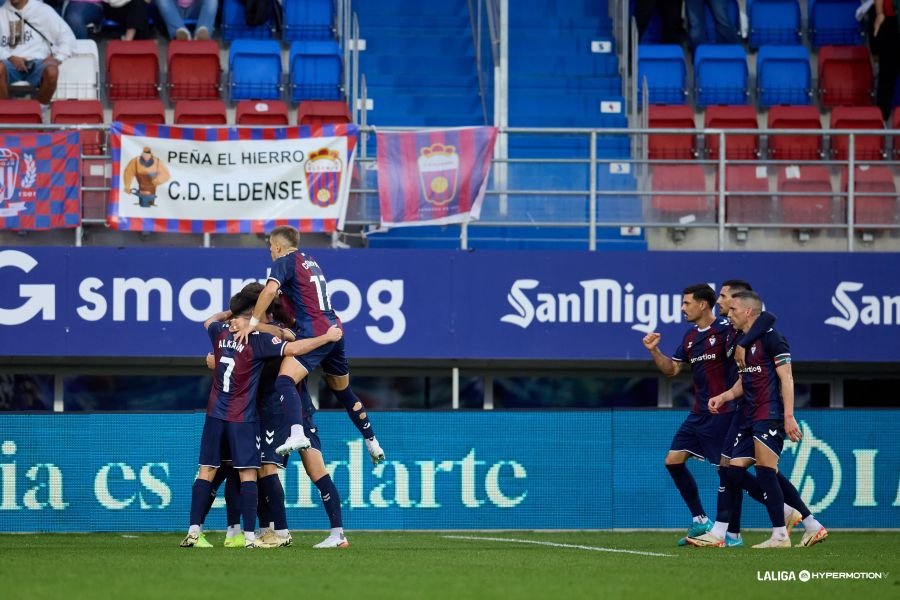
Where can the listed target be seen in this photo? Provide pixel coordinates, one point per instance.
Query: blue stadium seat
(254, 70)
(783, 76)
(833, 23)
(234, 24)
(734, 17)
(774, 22)
(308, 20)
(720, 75)
(665, 71)
(316, 68)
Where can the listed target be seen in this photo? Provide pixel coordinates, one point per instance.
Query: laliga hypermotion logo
(9, 175)
(438, 173)
(323, 176)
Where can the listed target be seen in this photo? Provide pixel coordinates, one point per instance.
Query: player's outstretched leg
(332, 501)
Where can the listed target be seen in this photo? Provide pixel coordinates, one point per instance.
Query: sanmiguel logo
(870, 310)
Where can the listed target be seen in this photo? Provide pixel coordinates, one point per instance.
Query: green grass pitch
(400, 565)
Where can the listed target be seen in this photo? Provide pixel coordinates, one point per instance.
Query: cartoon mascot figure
(150, 173)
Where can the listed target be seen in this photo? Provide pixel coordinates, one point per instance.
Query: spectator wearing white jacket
(34, 41)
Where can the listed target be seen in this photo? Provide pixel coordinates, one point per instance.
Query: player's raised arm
(219, 317)
(307, 345)
(666, 365)
(259, 312)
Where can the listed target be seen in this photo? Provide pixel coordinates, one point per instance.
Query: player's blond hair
(288, 234)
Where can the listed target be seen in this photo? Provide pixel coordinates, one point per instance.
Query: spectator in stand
(726, 32)
(669, 11)
(34, 41)
(174, 12)
(886, 46)
(86, 16)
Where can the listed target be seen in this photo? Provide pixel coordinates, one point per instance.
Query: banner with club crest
(40, 181)
(433, 177)
(228, 179)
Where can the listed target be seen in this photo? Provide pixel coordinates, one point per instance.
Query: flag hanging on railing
(228, 179)
(433, 177)
(40, 180)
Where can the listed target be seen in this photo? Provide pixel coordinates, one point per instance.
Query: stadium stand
(257, 112)
(671, 145)
(315, 70)
(663, 68)
(200, 112)
(867, 147)
(79, 75)
(813, 202)
(720, 75)
(697, 205)
(878, 203)
(783, 76)
(193, 70)
(734, 17)
(234, 23)
(308, 20)
(773, 22)
(254, 70)
(132, 70)
(20, 111)
(833, 23)
(845, 76)
(737, 147)
(81, 112)
(139, 111)
(322, 112)
(748, 200)
(793, 146)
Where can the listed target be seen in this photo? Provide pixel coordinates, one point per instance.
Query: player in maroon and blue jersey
(767, 386)
(231, 415)
(304, 292)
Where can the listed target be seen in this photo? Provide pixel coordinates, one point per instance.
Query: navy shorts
(242, 439)
(702, 435)
(728, 443)
(330, 357)
(275, 430)
(769, 432)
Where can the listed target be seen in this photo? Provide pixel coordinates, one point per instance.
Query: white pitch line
(554, 545)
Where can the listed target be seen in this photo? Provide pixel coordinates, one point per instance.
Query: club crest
(438, 173)
(323, 176)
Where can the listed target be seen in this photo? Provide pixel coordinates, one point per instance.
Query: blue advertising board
(409, 304)
(445, 470)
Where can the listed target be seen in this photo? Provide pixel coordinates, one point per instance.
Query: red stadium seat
(845, 76)
(132, 69)
(261, 112)
(81, 112)
(680, 178)
(737, 147)
(867, 147)
(200, 112)
(668, 145)
(146, 112)
(748, 199)
(194, 70)
(814, 202)
(323, 112)
(21, 111)
(895, 124)
(791, 146)
(878, 205)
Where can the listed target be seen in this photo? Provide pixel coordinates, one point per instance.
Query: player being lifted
(231, 417)
(302, 284)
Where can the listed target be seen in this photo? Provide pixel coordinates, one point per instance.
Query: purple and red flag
(433, 177)
(40, 180)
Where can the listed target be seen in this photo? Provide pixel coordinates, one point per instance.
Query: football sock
(792, 496)
(331, 499)
(811, 524)
(735, 477)
(249, 536)
(723, 499)
(274, 495)
(233, 498)
(686, 484)
(282, 533)
(718, 529)
(232, 531)
(249, 501)
(220, 476)
(199, 497)
(768, 481)
(356, 411)
(293, 409)
(337, 532)
(262, 507)
(194, 529)
(751, 484)
(779, 532)
(732, 536)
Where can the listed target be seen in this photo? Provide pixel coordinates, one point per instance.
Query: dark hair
(751, 297)
(287, 233)
(702, 292)
(737, 285)
(245, 300)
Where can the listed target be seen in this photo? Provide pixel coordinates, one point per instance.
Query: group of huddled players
(742, 414)
(259, 411)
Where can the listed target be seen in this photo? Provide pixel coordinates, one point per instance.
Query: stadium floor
(400, 565)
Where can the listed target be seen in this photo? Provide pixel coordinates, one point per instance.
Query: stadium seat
(748, 200)
(867, 147)
(720, 75)
(144, 112)
(814, 199)
(200, 112)
(255, 70)
(20, 111)
(194, 72)
(255, 112)
(698, 206)
(734, 17)
(132, 70)
(737, 147)
(322, 112)
(774, 22)
(877, 204)
(234, 23)
(315, 70)
(308, 20)
(79, 75)
(845, 76)
(833, 23)
(664, 69)
(81, 112)
(783, 76)
(895, 124)
(671, 145)
(793, 146)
